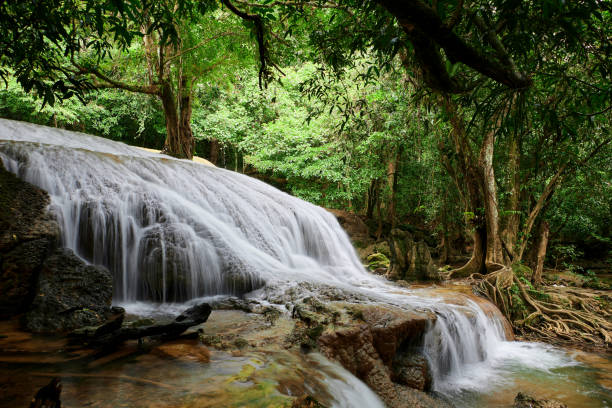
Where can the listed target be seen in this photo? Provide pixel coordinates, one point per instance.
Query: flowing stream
(172, 231)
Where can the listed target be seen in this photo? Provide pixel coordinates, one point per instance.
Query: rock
(354, 226)
(380, 271)
(422, 264)
(379, 350)
(112, 324)
(527, 401)
(306, 401)
(381, 247)
(70, 294)
(410, 260)
(198, 313)
(27, 236)
(412, 369)
(48, 396)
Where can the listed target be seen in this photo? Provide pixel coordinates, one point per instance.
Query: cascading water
(172, 230)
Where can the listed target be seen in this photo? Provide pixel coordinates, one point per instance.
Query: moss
(271, 314)
(209, 340)
(378, 260)
(241, 343)
(518, 310)
(521, 270)
(355, 313)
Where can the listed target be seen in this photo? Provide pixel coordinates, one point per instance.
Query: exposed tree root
(551, 313)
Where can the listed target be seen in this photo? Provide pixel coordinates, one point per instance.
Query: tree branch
(264, 59)
(416, 17)
(111, 83)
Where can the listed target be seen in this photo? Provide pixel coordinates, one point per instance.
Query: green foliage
(353, 123)
(518, 309)
(135, 119)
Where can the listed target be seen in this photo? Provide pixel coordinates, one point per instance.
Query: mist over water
(173, 230)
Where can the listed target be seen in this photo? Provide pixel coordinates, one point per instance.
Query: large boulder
(27, 236)
(383, 351)
(410, 260)
(354, 226)
(70, 294)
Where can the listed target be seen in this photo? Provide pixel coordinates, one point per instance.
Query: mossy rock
(378, 260)
(522, 270)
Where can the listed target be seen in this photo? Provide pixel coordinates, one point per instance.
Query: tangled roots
(552, 314)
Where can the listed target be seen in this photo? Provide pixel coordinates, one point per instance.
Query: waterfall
(171, 230)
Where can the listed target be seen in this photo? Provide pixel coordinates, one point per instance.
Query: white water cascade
(172, 230)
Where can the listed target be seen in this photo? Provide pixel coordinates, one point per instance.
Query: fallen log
(113, 333)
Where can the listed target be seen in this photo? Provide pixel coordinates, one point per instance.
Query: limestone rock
(412, 370)
(70, 294)
(410, 260)
(380, 350)
(27, 236)
(354, 226)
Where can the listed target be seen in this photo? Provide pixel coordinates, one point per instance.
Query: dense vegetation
(485, 123)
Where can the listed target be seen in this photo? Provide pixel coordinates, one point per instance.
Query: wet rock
(48, 396)
(114, 323)
(70, 294)
(412, 369)
(527, 401)
(27, 236)
(379, 349)
(380, 271)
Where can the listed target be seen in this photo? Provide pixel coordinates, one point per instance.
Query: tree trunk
(392, 183)
(213, 155)
(187, 142)
(537, 274)
(476, 264)
(494, 256)
(510, 232)
(472, 181)
(373, 192)
(179, 137)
